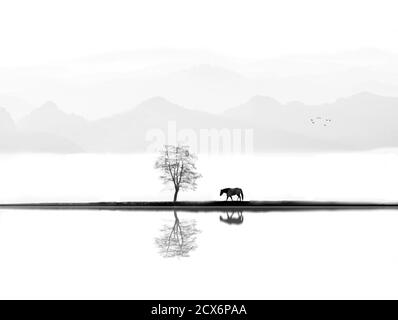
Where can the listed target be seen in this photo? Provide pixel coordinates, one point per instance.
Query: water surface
(112, 254)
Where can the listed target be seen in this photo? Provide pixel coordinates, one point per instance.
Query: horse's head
(222, 191)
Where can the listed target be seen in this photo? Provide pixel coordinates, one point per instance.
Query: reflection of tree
(178, 240)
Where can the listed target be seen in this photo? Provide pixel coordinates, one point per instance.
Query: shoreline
(204, 206)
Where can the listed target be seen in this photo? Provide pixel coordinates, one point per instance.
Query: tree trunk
(175, 195)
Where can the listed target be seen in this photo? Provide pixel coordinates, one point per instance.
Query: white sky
(45, 30)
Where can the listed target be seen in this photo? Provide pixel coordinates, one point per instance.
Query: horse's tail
(241, 192)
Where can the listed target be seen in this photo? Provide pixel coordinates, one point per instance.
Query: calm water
(103, 254)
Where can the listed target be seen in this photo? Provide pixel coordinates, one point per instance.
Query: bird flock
(319, 121)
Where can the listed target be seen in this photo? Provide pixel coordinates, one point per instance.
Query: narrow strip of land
(207, 206)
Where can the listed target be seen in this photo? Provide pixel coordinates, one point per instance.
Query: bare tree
(177, 166)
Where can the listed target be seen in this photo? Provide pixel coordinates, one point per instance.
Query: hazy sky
(45, 30)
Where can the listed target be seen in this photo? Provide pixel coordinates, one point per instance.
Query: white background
(44, 30)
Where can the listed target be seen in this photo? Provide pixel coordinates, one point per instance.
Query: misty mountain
(254, 109)
(14, 140)
(50, 118)
(98, 86)
(363, 120)
(35, 139)
(6, 122)
(17, 107)
(127, 132)
(201, 87)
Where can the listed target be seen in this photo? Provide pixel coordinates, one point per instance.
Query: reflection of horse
(231, 219)
(232, 192)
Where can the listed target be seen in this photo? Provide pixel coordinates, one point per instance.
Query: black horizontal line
(207, 205)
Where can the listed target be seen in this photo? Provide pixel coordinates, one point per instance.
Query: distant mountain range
(15, 139)
(359, 122)
(6, 123)
(103, 85)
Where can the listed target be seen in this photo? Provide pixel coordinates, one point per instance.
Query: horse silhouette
(230, 219)
(232, 192)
